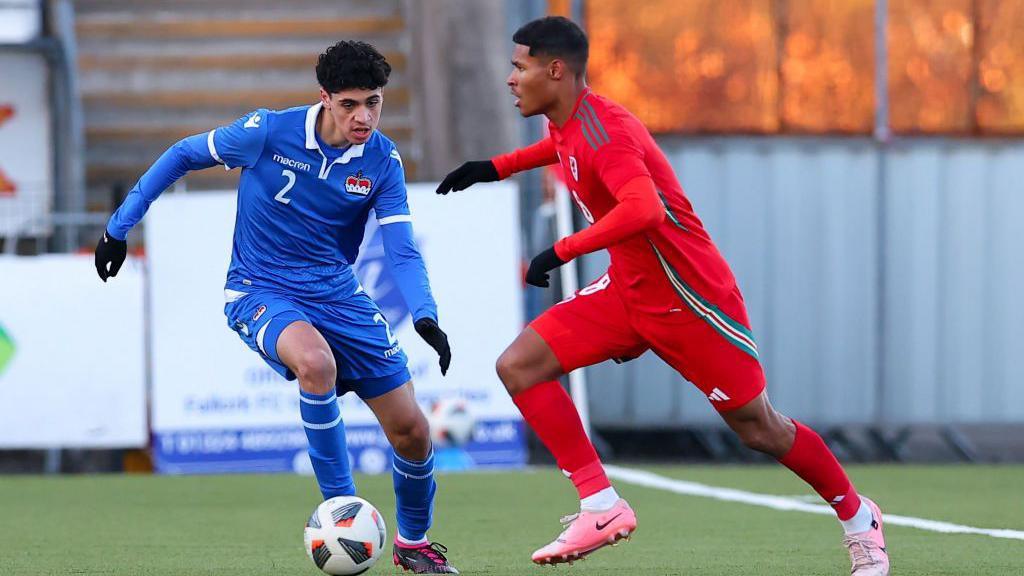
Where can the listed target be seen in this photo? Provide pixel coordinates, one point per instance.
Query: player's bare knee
(505, 367)
(511, 372)
(316, 371)
(411, 438)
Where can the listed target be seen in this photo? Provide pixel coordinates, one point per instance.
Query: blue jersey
(302, 206)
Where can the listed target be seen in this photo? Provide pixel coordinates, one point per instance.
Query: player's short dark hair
(556, 37)
(351, 64)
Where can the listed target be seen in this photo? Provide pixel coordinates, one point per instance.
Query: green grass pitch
(491, 522)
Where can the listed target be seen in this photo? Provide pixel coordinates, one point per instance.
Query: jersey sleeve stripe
(213, 147)
(585, 128)
(603, 137)
(394, 219)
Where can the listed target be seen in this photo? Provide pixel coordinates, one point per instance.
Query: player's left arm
(620, 167)
(405, 261)
(500, 167)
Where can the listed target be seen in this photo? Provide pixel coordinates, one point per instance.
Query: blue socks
(325, 432)
(414, 480)
(414, 493)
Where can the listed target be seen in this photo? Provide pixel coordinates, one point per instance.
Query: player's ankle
(860, 521)
(407, 543)
(600, 501)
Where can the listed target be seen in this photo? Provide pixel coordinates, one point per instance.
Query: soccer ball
(451, 423)
(345, 535)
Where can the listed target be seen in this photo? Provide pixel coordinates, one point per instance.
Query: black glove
(438, 340)
(542, 263)
(110, 252)
(468, 174)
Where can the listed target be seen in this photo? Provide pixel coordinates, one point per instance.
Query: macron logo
(291, 163)
(253, 121)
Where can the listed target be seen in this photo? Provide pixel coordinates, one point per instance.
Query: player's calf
(803, 451)
(761, 428)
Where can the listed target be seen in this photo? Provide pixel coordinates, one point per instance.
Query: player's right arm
(500, 167)
(235, 145)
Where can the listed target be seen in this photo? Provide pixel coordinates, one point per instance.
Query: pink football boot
(867, 549)
(588, 531)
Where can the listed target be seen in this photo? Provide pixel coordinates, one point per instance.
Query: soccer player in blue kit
(310, 176)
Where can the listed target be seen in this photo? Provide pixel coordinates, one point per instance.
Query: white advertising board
(218, 407)
(72, 354)
(26, 157)
(20, 21)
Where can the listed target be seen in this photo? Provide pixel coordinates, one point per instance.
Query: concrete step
(102, 177)
(387, 43)
(241, 101)
(230, 25)
(250, 80)
(165, 135)
(101, 116)
(197, 8)
(161, 59)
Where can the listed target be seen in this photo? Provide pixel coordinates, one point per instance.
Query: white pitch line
(651, 480)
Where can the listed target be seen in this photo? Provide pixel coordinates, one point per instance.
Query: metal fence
(883, 281)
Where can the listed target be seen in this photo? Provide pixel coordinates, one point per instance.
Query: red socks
(811, 460)
(550, 412)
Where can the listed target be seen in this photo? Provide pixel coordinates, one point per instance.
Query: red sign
(7, 187)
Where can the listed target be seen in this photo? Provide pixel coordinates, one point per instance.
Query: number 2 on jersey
(288, 186)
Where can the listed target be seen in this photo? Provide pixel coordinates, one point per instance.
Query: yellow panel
(693, 66)
(1000, 104)
(828, 63)
(560, 8)
(931, 46)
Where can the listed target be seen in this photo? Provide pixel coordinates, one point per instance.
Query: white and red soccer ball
(451, 423)
(345, 535)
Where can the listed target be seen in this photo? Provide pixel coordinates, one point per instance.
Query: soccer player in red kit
(668, 290)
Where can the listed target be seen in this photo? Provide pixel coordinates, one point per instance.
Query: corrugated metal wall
(933, 333)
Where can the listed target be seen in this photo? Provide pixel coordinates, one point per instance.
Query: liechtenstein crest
(573, 168)
(358, 184)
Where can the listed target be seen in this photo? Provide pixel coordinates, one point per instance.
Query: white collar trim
(311, 115)
(353, 151)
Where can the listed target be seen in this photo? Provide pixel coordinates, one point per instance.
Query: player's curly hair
(556, 37)
(352, 64)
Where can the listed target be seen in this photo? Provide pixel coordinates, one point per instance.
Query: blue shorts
(369, 359)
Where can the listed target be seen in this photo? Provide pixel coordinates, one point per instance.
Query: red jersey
(664, 264)
(602, 148)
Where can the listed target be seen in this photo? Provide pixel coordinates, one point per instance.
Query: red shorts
(710, 345)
